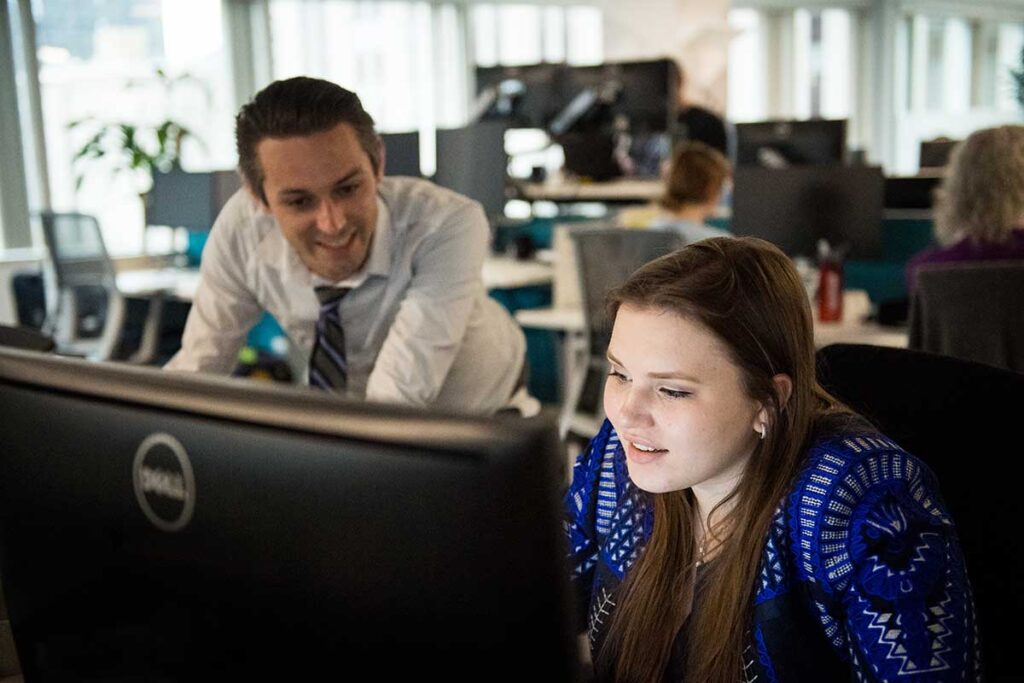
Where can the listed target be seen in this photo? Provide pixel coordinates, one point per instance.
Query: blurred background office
(117, 109)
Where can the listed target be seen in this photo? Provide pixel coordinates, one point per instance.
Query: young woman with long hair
(732, 521)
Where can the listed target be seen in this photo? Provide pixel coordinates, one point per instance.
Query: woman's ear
(783, 390)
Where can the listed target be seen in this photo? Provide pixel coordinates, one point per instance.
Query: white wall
(696, 33)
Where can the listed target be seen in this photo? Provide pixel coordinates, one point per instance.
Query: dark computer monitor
(648, 91)
(528, 96)
(402, 154)
(472, 161)
(934, 154)
(181, 199)
(795, 207)
(777, 144)
(160, 526)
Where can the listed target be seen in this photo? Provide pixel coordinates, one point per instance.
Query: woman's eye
(617, 375)
(675, 393)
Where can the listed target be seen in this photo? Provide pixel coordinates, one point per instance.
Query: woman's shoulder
(855, 489)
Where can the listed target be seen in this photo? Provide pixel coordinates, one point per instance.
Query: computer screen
(777, 144)
(472, 161)
(163, 526)
(648, 94)
(181, 199)
(527, 96)
(795, 207)
(402, 154)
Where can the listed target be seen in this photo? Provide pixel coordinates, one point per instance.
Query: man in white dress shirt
(316, 211)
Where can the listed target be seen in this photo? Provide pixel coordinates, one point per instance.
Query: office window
(510, 34)
(747, 98)
(822, 63)
(100, 62)
(404, 59)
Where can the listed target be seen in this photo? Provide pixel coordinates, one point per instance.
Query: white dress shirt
(419, 326)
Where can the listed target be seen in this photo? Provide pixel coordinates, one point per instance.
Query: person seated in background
(732, 520)
(979, 212)
(697, 124)
(377, 279)
(694, 182)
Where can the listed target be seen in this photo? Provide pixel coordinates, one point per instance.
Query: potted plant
(137, 148)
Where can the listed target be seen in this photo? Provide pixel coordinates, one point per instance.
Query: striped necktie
(328, 368)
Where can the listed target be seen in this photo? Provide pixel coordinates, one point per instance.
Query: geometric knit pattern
(862, 550)
(328, 367)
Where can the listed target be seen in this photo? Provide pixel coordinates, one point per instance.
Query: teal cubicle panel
(541, 345)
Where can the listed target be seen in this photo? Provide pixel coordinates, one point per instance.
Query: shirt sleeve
(581, 501)
(224, 308)
(432, 319)
(904, 594)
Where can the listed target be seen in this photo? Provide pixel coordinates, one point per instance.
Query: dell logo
(163, 481)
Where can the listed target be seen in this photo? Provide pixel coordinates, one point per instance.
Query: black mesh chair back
(87, 312)
(606, 257)
(962, 419)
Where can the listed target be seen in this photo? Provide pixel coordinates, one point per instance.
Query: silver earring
(761, 430)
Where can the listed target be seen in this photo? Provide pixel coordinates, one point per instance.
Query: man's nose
(330, 217)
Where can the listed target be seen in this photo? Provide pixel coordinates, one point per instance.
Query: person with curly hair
(979, 213)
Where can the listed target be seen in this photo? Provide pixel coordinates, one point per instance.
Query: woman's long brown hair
(749, 295)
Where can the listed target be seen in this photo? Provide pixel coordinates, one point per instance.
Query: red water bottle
(830, 284)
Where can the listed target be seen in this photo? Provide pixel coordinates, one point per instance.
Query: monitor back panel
(302, 551)
(795, 207)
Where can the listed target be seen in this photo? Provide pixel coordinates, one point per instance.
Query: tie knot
(331, 295)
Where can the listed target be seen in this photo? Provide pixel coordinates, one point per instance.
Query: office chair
(86, 311)
(29, 299)
(970, 311)
(962, 419)
(604, 258)
(26, 338)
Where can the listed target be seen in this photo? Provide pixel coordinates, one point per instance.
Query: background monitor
(162, 526)
(402, 154)
(472, 161)
(795, 207)
(648, 91)
(934, 154)
(189, 200)
(778, 144)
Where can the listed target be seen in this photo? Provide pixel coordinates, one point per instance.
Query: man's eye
(299, 203)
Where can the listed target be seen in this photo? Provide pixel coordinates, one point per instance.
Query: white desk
(626, 190)
(178, 283)
(505, 272)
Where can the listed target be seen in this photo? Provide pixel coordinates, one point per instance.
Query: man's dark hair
(294, 107)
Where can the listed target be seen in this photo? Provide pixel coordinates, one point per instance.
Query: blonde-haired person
(732, 521)
(980, 205)
(694, 182)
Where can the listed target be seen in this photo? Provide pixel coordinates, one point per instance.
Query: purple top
(968, 249)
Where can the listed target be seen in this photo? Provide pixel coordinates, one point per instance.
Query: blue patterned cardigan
(862, 578)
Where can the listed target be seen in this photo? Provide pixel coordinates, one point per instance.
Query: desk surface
(628, 189)
(499, 272)
(180, 283)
